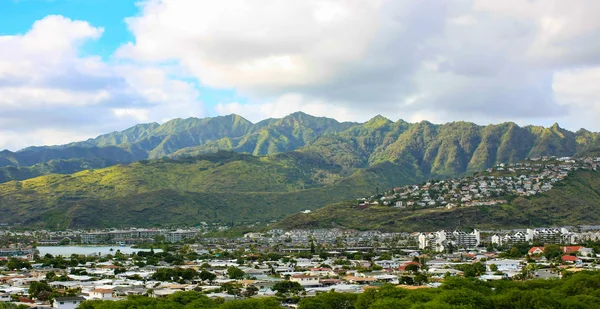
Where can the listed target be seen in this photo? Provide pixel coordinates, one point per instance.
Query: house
(506, 265)
(101, 293)
(305, 280)
(586, 252)
(403, 266)
(569, 259)
(571, 249)
(497, 240)
(359, 280)
(67, 302)
(536, 251)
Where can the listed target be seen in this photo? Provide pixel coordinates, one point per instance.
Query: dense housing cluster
(494, 186)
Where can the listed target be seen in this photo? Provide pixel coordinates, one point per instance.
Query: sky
(74, 69)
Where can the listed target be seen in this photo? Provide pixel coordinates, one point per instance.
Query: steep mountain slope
(147, 141)
(215, 187)
(423, 150)
(572, 202)
(432, 151)
(278, 135)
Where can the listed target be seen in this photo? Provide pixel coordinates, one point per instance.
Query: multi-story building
(440, 240)
(179, 235)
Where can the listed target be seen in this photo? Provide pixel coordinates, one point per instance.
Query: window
(62, 302)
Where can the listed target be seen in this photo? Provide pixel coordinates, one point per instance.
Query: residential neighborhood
(284, 264)
(492, 187)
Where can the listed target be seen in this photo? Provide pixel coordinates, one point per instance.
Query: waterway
(88, 250)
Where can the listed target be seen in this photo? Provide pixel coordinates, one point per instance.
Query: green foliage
(285, 287)
(39, 290)
(14, 263)
(266, 303)
(552, 251)
(174, 274)
(207, 276)
(329, 300)
(472, 270)
(577, 291)
(235, 273)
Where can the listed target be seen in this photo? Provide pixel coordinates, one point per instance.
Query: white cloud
(291, 103)
(528, 61)
(481, 60)
(48, 90)
(139, 114)
(578, 89)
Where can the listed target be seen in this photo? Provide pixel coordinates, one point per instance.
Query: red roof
(569, 258)
(403, 266)
(534, 249)
(571, 249)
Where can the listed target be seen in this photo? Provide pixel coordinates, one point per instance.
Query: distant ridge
(423, 148)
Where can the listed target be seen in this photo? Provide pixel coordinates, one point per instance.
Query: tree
(51, 276)
(552, 251)
(232, 288)
(37, 288)
(189, 274)
(385, 256)
(493, 267)
(250, 291)
(288, 287)
(17, 264)
(207, 276)
(414, 268)
(331, 300)
(235, 273)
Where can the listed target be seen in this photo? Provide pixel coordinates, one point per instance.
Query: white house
(497, 240)
(506, 265)
(306, 280)
(67, 302)
(4, 297)
(101, 293)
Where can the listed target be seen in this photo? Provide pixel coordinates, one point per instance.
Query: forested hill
(421, 149)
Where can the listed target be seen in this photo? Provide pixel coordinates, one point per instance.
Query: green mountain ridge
(426, 149)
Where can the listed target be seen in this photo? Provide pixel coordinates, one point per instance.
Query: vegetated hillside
(422, 149)
(219, 187)
(573, 201)
(148, 141)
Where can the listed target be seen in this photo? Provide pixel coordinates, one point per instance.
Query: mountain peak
(379, 119)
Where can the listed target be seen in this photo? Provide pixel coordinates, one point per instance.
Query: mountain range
(229, 169)
(424, 149)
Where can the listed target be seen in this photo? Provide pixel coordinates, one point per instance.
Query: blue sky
(74, 69)
(18, 15)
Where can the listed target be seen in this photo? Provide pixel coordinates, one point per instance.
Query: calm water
(103, 250)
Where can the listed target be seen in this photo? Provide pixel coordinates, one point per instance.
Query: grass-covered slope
(571, 202)
(223, 186)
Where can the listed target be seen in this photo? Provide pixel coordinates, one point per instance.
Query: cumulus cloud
(528, 61)
(50, 94)
(479, 60)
